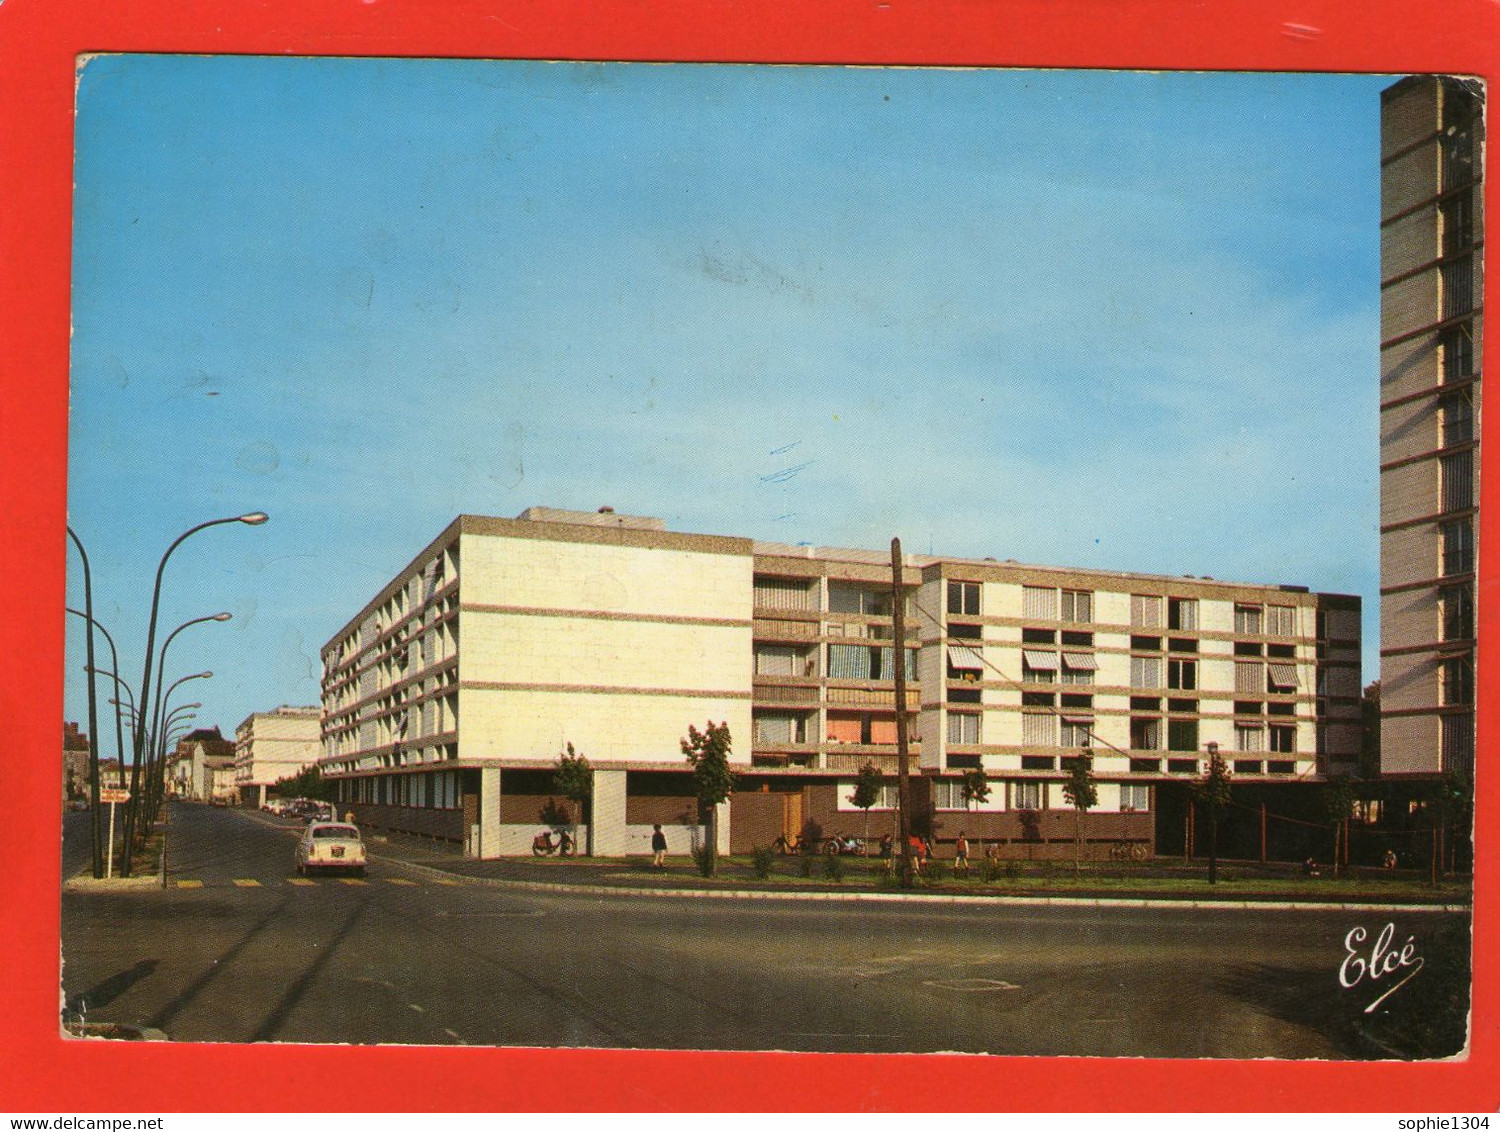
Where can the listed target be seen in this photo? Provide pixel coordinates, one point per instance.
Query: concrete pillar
(609, 813)
(489, 813)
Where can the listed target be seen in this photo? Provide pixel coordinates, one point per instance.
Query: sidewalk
(590, 876)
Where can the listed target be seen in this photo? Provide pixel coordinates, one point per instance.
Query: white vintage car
(330, 845)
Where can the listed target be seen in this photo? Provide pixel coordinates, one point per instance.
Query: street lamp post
(253, 518)
(114, 672)
(161, 663)
(88, 605)
(156, 759)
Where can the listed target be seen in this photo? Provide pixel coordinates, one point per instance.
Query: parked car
(329, 845)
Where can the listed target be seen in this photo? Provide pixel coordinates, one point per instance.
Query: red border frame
(39, 40)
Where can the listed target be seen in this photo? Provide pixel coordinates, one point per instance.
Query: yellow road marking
(351, 880)
(299, 880)
(190, 884)
(398, 880)
(247, 883)
(443, 880)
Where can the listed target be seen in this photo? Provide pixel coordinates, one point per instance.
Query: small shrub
(833, 868)
(805, 864)
(994, 869)
(935, 871)
(1012, 870)
(704, 858)
(761, 861)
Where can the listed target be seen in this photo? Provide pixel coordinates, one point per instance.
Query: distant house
(274, 745)
(75, 776)
(202, 766)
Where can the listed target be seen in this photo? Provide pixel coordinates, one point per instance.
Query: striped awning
(1039, 661)
(966, 658)
(1080, 661)
(1079, 720)
(1283, 675)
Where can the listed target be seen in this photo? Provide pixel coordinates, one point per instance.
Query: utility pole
(903, 774)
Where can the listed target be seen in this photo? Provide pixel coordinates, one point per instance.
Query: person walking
(658, 847)
(961, 853)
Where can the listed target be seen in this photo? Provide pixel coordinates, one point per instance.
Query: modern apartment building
(448, 698)
(1432, 239)
(272, 745)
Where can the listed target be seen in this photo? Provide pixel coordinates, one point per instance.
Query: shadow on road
(78, 1006)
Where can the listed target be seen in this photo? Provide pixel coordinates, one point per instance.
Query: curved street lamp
(114, 662)
(96, 830)
(155, 763)
(161, 662)
(253, 519)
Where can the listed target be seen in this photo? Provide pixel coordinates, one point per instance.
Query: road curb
(559, 889)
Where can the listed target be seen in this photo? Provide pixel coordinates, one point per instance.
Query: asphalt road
(256, 954)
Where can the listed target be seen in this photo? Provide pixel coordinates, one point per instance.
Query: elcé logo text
(1380, 962)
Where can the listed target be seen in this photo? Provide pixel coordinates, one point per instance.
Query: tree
(1337, 798)
(707, 753)
(573, 778)
(307, 783)
(1369, 737)
(1213, 791)
(1083, 796)
(868, 788)
(976, 790)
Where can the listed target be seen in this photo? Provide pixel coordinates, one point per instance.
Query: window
(1247, 620)
(1145, 734)
(1182, 735)
(1182, 614)
(1246, 707)
(1077, 605)
(966, 632)
(1246, 766)
(1145, 703)
(1247, 648)
(1458, 681)
(1457, 217)
(1281, 678)
(963, 729)
(1038, 636)
(964, 663)
(1027, 795)
(1077, 700)
(771, 730)
(1182, 766)
(1078, 637)
(963, 598)
(1282, 652)
(965, 696)
(1039, 602)
(1145, 611)
(1458, 481)
(1145, 766)
(780, 660)
(948, 794)
(785, 593)
(1249, 676)
(1457, 413)
(1038, 699)
(1458, 547)
(1458, 743)
(1458, 353)
(1078, 668)
(1458, 613)
(1249, 739)
(1185, 705)
(1281, 709)
(1279, 767)
(1077, 732)
(1182, 674)
(1038, 762)
(1182, 644)
(1283, 739)
(1457, 139)
(844, 598)
(1457, 279)
(1281, 621)
(1146, 644)
(1145, 672)
(1135, 797)
(1038, 667)
(1039, 730)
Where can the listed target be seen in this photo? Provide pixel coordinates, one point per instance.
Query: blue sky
(1115, 320)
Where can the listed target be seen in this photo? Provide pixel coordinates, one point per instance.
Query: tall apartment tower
(1431, 311)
